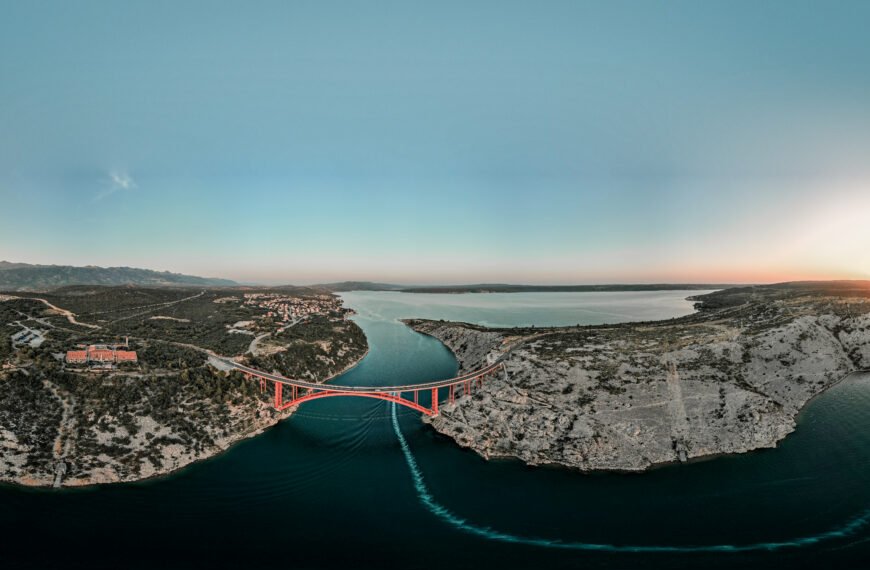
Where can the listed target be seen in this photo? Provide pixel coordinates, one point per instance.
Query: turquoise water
(346, 484)
(523, 309)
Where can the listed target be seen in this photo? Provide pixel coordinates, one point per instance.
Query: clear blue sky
(563, 142)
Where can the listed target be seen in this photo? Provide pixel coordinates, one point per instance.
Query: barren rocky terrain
(729, 379)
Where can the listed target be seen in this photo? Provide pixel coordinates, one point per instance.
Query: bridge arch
(304, 391)
(376, 396)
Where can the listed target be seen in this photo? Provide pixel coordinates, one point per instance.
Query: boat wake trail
(443, 513)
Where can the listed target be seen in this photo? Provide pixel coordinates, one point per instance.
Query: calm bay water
(332, 487)
(524, 309)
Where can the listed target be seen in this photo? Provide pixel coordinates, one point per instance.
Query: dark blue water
(336, 487)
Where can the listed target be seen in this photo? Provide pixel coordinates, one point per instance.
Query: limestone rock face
(630, 396)
(471, 345)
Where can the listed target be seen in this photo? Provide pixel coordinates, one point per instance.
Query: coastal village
(277, 308)
(287, 308)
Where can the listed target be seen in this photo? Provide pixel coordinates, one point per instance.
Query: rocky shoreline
(729, 379)
(250, 418)
(264, 417)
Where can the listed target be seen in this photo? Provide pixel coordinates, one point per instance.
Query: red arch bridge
(408, 395)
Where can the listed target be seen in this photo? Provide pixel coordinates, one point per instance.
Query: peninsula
(728, 379)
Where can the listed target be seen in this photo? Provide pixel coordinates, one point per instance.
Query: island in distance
(104, 384)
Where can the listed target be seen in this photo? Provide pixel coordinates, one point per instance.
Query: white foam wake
(443, 513)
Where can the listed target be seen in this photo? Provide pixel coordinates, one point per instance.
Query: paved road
(252, 348)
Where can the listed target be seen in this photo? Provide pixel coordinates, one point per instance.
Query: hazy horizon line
(326, 280)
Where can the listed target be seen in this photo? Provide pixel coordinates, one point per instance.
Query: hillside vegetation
(73, 425)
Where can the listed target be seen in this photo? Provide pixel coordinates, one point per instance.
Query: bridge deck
(368, 389)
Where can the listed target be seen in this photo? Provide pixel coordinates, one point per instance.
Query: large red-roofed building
(100, 355)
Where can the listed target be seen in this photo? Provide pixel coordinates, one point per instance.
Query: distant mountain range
(26, 277)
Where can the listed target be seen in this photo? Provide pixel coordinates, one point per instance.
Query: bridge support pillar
(434, 401)
(279, 395)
